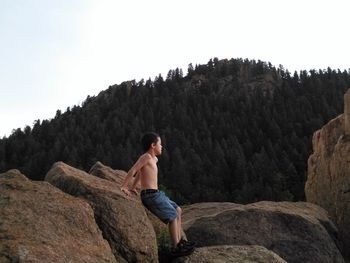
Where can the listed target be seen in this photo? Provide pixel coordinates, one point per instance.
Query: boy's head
(148, 139)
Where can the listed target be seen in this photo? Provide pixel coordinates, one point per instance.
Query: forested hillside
(232, 130)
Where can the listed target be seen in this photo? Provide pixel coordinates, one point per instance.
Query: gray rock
(123, 221)
(297, 232)
(105, 172)
(328, 180)
(231, 254)
(40, 223)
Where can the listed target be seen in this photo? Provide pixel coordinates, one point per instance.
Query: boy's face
(157, 147)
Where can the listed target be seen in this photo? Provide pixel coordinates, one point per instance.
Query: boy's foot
(188, 243)
(181, 250)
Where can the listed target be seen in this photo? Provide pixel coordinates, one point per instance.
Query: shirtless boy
(146, 170)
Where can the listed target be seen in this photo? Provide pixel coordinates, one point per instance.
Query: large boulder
(231, 254)
(123, 220)
(40, 223)
(347, 112)
(102, 171)
(328, 180)
(297, 232)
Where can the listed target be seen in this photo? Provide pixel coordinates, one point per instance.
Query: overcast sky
(54, 53)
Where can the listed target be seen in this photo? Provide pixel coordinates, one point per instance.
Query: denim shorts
(159, 205)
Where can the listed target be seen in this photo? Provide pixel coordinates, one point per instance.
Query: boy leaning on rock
(146, 170)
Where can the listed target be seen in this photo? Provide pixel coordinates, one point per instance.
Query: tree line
(232, 130)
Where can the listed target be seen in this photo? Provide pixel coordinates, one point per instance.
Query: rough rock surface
(328, 182)
(123, 221)
(347, 112)
(40, 223)
(297, 232)
(232, 254)
(105, 172)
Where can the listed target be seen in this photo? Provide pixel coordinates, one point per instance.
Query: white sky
(53, 53)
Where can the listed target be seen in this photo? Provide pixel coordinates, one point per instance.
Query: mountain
(233, 130)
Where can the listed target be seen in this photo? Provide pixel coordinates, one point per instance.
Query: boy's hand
(134, 191)
(125, 191)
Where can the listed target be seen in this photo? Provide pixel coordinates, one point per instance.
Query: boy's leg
(174, 232)
(179, 224)
(179, 248)
(178, 219)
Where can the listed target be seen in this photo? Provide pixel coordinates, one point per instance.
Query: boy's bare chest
(150, 169)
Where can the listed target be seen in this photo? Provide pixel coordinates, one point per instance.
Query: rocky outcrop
(231, 254)
(347, 112)
(123, 221)
(40, 223)
(328, 181)
(297, 232)
(105, 172)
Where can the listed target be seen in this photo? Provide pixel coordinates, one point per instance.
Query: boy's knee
(179, 211)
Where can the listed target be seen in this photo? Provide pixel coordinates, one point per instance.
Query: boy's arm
(135, 183)
(144, 159)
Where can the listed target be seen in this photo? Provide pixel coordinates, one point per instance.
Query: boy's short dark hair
(147, 140)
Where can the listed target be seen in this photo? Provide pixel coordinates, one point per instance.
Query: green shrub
(164, 245)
